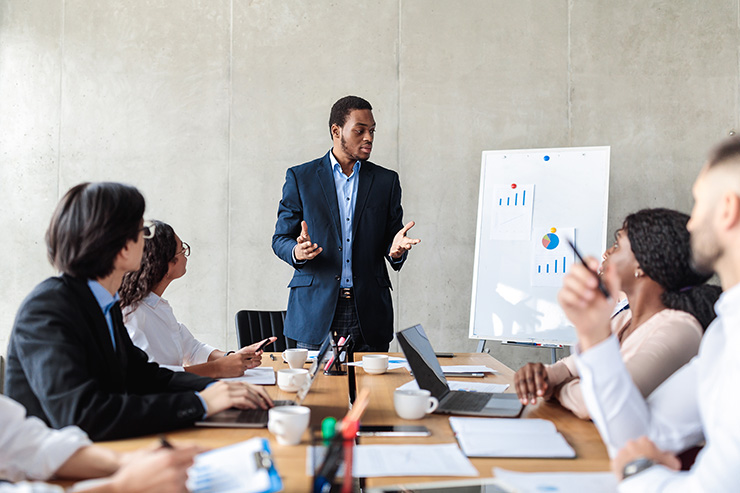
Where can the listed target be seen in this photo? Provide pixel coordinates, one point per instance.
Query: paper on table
(256, 376)
(486, 437)
(468, 369)
(466, 386)
(393, 363)
(371, 461)
(225, 470)
(571, 482)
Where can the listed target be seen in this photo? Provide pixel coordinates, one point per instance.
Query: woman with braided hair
(669, 308)
(152, 325)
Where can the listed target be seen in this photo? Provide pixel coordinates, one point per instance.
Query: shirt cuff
(203, 401)
(295, 260)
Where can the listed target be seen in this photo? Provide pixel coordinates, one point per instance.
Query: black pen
(164, 443)
(602, 288)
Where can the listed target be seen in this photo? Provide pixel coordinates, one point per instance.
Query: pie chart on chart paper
(550, 241)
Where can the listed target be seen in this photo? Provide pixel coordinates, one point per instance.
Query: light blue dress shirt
(106, 302)
(346, 187)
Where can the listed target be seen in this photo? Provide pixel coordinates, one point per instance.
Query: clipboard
(243, 467)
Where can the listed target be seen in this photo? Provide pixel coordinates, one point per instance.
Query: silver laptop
(428, 374)
(257, 418)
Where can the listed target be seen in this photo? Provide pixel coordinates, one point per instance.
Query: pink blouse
(651, 353)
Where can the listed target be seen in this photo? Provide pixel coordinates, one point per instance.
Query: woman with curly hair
(152, 325)
(660, 329)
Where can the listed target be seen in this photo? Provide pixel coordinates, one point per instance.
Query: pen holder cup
(336, 365)
(327, 461)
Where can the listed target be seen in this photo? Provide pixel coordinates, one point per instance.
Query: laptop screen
(422, 360)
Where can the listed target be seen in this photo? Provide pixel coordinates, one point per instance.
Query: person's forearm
(90, 462)
(210, 369)
(216, 354)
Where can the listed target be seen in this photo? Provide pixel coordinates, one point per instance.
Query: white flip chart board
(530, 202)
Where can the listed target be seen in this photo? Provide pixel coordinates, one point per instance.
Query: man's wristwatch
(636, 466)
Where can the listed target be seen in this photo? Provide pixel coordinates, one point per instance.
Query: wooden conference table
(328, 397)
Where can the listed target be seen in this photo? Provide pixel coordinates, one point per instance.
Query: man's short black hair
(91, 224)
(342, 108)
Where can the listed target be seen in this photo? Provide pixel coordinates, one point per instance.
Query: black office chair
(253, 326)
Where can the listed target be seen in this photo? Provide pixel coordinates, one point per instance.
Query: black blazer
(63, 368)
(309, 194)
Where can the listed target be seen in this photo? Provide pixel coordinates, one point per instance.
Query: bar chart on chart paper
(551, 256)
(512, 205)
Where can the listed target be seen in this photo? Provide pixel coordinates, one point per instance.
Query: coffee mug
(295, 357)
(291, 380)
(375, 364)
(414, 404)
(288, 423)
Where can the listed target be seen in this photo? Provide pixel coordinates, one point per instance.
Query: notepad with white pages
(516, 438)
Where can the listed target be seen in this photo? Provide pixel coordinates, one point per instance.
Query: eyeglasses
(185, 250)
(148, 230)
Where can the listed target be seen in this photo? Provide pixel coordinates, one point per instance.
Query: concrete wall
(204, 104)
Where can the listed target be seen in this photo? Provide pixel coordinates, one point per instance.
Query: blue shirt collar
(335, 163)
(102, 296)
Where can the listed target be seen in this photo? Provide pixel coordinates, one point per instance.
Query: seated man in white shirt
(698, 404)
(29, 450)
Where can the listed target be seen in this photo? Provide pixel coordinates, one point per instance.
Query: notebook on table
(257, 418)
(429, 375)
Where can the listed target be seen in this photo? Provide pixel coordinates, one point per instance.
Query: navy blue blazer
(63, 368)
(309, 194)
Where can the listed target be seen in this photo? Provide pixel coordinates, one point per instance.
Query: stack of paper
(372, 461)
(257, 376)
(497, 437)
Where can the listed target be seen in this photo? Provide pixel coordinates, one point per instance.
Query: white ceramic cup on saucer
(414, 404)
(375, 364)
(288, 423)
(291, 380)
(295, 358)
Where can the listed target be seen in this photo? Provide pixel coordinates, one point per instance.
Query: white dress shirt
(31, 450)
(155, 330)
(700, 402)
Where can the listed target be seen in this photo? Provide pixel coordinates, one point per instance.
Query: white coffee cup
(414, 404)
(288, 423)
(291, 380)
(295, 357)
(375, 364)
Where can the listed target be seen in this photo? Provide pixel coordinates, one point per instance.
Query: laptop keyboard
(259, 415)
(466, 401)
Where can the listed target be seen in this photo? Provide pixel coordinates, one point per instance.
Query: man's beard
(343, 143)
(704, 254)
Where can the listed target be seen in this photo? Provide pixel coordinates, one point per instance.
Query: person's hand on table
(224, 395)
(159, 470)
(643, 448)
(531, 381)
(585, 306)
(402, 243)
(304, 249)
(234, 364)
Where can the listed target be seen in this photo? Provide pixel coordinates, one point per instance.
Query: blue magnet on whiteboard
(547, 158)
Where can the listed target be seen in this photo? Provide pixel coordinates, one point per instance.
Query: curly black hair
(660, 243)
(158, 253)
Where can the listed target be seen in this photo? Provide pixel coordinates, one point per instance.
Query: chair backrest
(253, 326)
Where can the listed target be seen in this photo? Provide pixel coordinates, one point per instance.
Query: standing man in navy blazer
(339, 220)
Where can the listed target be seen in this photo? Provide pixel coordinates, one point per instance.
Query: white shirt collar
(153, 300)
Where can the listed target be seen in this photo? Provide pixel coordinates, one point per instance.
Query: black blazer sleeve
(63, 368)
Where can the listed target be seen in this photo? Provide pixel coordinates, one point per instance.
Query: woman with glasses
(152, 325)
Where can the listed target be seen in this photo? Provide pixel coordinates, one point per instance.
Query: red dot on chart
(513, 185)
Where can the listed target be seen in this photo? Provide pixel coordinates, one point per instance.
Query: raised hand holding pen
(585, 304)
(304, 249)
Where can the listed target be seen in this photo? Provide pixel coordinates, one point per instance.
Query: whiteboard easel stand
(551, 347)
